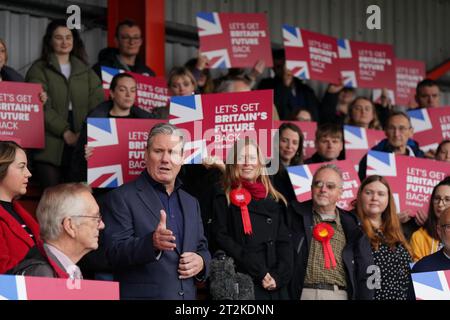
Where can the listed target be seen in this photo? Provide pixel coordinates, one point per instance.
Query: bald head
(444, 230)
(444, 218)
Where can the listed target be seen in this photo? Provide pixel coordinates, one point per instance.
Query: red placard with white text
(119, 148)
(301, 179)
(234, 40)
(151, 92)
(408, 74)
(358, 141)
(366, 65)
(215, 121)
(411, 179)
(308, 129)
(21, 114)
(431, 126)
(311, 55)
(40, 288)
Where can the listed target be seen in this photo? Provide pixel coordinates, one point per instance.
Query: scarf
(256, 189)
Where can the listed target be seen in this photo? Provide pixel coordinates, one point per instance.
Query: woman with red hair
(376, 209)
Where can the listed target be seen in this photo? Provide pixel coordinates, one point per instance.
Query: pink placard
(311, 55)
(119, 148)
(366, 65)
(358, 141)
(408, 74)
(39, 288)
(215, 121)
(151, 92)
(21, 114)
(234, 40)
(411, 179)
(431, 126)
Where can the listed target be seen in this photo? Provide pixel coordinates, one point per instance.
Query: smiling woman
(19, 232)
(249, 222)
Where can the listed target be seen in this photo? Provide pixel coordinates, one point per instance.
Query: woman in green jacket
(73, 90)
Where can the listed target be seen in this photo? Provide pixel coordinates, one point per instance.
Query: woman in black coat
(259, 242)
(291, 154)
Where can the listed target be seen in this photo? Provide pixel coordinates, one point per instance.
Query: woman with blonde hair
(375, 207)
(362, 113)
(249, 222)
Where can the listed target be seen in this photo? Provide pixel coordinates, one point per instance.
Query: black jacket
(9, 74)
(356, 256)
(108, 57)
(267, 250)
(317, 158)
(282, 183)
(285, 101)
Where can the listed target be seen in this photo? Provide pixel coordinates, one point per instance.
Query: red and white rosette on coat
(323, 232)
(241, 198)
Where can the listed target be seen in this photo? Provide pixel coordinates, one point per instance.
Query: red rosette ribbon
(241, 198)
(323, 232)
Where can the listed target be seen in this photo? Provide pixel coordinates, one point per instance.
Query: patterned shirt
(316, 273)
(395, 270)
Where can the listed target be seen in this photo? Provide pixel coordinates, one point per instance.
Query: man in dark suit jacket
(155, 240)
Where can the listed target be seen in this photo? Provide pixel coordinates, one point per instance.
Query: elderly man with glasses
(70, 222)
(332, 254)
(439, 260)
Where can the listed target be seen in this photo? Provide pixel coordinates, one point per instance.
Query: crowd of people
(157, 235)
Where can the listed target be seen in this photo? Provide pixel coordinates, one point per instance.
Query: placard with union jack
(432, 285)
(216, 121)
(366, 65)
(119, 147)
(234, 40)
(38, 288)
(431, 126)
(358, 141)
(411, 179)
(301, 179)
(311, 55)
(151, 92)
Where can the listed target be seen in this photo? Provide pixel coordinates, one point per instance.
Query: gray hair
(165, 128)
(57, 203)
(227, 85)
(333, 167)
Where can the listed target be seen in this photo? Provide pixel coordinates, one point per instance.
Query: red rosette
(241, 198)
(323, 233)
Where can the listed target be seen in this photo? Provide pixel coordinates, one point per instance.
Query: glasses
(446, 227)
(320, 184)
(402, 129)
(445, 200)
(128, 38)
(99, 218)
